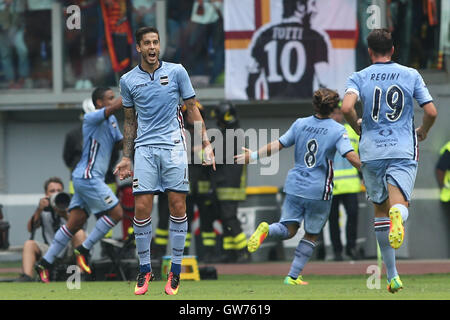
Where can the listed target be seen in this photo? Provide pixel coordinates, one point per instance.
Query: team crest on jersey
(164, 80)
(108, 200)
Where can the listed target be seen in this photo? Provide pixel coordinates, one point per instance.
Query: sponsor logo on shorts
(135, 183)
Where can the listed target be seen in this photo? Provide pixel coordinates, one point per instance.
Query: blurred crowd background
(102, 48)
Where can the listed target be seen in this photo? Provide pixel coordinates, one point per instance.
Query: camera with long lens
(60, 201)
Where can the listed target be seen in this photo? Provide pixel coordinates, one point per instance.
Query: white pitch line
(32, 199)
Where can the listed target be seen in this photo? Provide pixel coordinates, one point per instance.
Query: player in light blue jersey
(309, 185)
(389, 142)
(154, 134)
(92, 195)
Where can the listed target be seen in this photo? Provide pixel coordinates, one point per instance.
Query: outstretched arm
(265, 151)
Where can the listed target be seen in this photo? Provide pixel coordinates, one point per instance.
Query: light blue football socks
(60, 241)
(102, 227)
(303, 252)
(278, 230)
(387, 252)
(177, 232)
(143, 238)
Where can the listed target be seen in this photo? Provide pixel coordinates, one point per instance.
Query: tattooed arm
(194, 115)
(123, 168)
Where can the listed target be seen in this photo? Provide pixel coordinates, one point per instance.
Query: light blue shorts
(92, 195)
(314, 212)
(158, 170)
(397, 172)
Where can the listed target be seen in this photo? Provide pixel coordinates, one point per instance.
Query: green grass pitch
(239, 287)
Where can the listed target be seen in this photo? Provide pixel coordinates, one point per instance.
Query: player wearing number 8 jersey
(309, 185)
(389, 144)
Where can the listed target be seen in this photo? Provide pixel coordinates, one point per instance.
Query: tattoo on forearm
(129, 132)
(195, 116)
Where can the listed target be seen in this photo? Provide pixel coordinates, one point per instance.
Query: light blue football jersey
(386, 91)
(99, 137)
(156, 98)
(316, 141)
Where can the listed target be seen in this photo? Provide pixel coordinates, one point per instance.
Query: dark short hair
(52, 179)
(380, 41)
(144, 30)
(289, 7)
(325, 100)
(99, 93)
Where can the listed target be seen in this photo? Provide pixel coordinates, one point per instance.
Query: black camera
(60, 201)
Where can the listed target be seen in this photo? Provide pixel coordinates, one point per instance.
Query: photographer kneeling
(50, 215)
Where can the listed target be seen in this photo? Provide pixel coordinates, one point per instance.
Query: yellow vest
(445, 192)
(234, 193)
(346, 178)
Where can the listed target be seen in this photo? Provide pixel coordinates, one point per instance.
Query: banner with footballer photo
(286, 49)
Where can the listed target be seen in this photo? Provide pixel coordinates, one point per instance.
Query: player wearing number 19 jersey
(389, 143)
(387, 90)
(309, 185)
